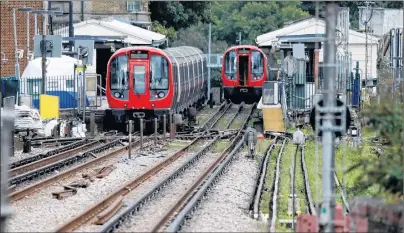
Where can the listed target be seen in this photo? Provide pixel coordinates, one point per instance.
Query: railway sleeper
(64, 194)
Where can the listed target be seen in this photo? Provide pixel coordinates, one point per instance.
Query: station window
(119, 73)
(158, 73)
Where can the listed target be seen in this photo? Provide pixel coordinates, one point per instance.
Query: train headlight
(161, 94)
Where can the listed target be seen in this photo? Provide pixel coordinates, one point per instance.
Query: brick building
(135, 11)
(7, 33)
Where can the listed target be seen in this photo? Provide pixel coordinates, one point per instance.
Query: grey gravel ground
(40, 212)
(226, 208)
(146, 186)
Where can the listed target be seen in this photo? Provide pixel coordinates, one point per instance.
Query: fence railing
(67, 87)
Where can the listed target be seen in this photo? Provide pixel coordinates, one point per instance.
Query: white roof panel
(309, 26)
(112, 27)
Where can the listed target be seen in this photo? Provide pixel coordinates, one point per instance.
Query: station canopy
(112, 27)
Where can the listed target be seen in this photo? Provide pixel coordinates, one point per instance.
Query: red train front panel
(139, 78)
(244, 71)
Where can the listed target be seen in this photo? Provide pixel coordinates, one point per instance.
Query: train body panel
(244, 70)
(149, 82)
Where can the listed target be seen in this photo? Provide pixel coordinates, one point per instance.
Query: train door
(243, 66)
(140, 79)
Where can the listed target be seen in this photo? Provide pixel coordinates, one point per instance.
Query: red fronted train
(244, 71)
(147, 82)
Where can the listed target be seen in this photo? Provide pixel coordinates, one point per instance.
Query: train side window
(230, 64)
(119, 73)
(158, 73)
(257, 64)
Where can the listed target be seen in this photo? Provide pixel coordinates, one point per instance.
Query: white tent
(56, 66)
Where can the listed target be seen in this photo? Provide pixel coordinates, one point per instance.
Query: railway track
(16, 195)
(217, 164)
(255, 206)
(109, 212)
(228, 117)
(105, 209)
(50, 164)
(274, 197)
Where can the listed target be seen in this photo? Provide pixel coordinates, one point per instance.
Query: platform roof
(114, 27)
(309, 26)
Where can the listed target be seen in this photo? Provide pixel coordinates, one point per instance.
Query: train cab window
(119, 73)
(158, 73)
(140, 79)
(230, 65)
(257, 64)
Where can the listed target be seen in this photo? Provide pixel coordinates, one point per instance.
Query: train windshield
(158, 73)
(230, 64)
(119, 73)
(140, 79)
(257, 63)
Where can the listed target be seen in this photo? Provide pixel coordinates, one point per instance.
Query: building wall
(359, 54)
(7, 33)
(98, 9)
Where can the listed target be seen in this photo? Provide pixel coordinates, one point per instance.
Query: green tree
(179, 14)
(251, 18)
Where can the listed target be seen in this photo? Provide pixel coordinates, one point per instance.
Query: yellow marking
(49, 106)
(273, 119)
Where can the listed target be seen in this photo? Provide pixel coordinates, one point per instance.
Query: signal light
(337, 121)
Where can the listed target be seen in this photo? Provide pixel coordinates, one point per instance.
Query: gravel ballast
(40, 212)
(149, 216)
(225, 209)
(146, 186)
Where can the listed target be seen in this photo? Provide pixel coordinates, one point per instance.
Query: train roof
(183, 54)
(243, 46)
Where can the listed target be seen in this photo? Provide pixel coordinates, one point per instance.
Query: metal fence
(301, 88)
(67, 87)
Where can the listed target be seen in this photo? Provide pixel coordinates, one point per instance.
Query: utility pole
(328, 202)
(17, 65)
(209, 47)
(43, 55)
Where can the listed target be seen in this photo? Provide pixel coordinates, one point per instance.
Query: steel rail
(176, 215)
(59, 150)
(133, 207)
(309, 197)
(216, 120)
(227, 110)
(17, 195)
(261, 180)
(51, 158)
(91, 212)
(43, 170)
(241, 106)
(205, 124)
(345, 202)
(187, 197)
(276, 189)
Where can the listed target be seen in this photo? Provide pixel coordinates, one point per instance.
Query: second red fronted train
(244, 71)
